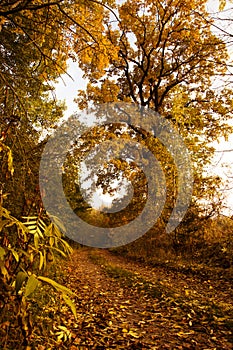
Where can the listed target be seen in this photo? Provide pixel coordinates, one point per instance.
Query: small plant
(27, 249)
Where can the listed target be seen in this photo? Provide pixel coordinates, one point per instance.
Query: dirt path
(122, 305)
(217, 291)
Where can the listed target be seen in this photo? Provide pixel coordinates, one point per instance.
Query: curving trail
(124, 305)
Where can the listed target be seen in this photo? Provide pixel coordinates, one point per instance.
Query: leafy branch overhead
(166, 58)
(37, 39)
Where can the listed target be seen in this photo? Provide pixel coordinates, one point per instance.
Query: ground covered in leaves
(126, 305)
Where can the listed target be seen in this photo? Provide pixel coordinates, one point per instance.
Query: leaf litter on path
(122, 305)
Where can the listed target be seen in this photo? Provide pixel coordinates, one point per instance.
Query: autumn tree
(167, 60)
(37, 38)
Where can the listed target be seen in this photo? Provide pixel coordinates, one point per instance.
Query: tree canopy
(37, 38)
(167, 59)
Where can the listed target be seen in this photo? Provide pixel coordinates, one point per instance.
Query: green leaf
(67, 248)
(57, 250)
(29, 217)
(36, 240)
(56, 285)
(2, 253)
(33, 231)
(51, 241)
(40, 232)
(15, 254)
(3, 223)
(58, 222)
(70, 303)
(41, 260)
(41, 224)
(55, 230)
(20, 278)
(4, 270)
(45, 254)
(7, 149)
(31, 285)
(31, 227)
